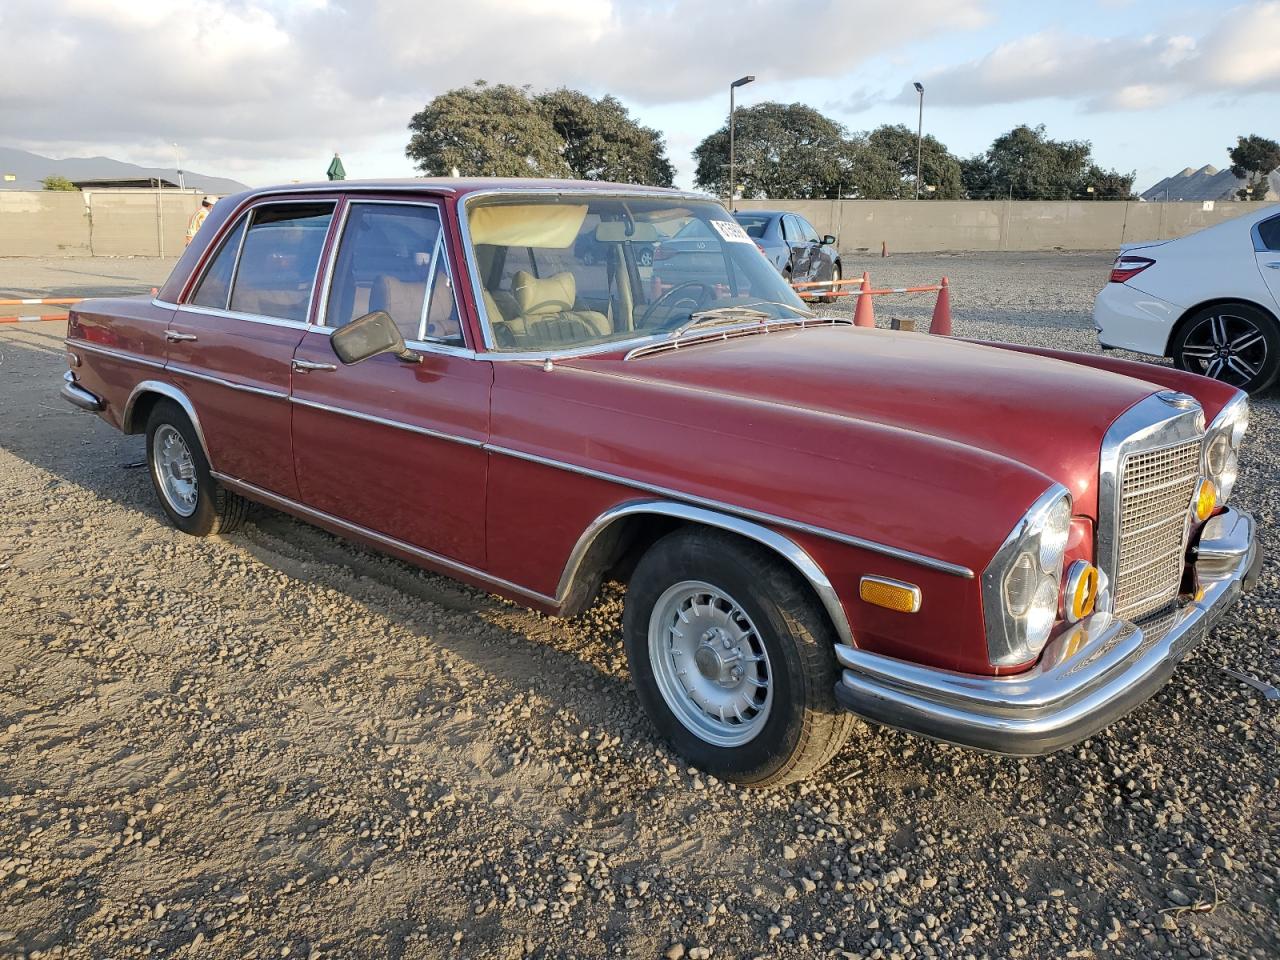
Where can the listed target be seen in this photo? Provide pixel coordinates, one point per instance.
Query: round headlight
(1020, 585)
(1053, 539)
(1043, 612)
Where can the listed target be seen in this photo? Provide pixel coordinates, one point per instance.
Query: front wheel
(732, 659)
(1236, 343)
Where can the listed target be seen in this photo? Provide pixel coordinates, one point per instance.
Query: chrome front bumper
(75, 394)
(1087, 677)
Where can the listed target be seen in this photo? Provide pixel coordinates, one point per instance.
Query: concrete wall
(113, 223)
(929, 225)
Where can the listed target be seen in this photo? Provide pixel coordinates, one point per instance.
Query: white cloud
(1236, 55)
(246, 82)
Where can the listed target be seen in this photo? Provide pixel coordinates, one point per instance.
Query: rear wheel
(732, 659)
(1236, 343)
(835, 278)
(190, 497)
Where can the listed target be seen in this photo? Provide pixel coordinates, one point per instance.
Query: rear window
(754, 224)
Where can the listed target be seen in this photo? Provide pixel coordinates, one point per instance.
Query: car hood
(1047, 413)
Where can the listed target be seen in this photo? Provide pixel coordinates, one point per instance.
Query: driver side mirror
(368, 336)
(828, 241)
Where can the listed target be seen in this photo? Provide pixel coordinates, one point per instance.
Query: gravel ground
(278, 744)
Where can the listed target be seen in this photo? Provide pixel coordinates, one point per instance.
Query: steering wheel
(669, 299)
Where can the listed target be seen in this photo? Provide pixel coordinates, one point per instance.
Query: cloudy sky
(266, 90)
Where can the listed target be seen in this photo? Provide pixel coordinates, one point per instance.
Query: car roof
(460, 186)
(763, 213)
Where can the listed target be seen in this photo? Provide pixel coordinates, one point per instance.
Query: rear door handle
(173, 336)
(1274, 264)
(305, 366)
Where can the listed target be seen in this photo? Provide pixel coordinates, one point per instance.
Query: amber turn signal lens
(1082, 586)
(890, 594)
(1206, 500)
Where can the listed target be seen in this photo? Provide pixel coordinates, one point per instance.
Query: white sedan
(1211, 300)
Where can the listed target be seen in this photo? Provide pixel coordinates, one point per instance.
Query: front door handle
(305, 366)
(173, 336)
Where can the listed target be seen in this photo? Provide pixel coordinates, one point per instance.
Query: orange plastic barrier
(47, 301)
(864, 312)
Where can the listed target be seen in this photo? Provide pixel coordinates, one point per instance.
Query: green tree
(486, 131)
(783, 151)
(602, 142)
(58, 183)
(1024, 164)
(1253, 158)
(938, 168)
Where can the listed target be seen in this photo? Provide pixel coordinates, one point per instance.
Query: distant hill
(31, 168)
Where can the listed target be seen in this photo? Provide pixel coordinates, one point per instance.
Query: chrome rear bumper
(1087, 677)
(75, 394)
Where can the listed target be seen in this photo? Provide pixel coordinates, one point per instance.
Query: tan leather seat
(546, 314)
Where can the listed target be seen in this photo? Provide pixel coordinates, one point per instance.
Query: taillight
(659, 253)
(760, 246)
(1127, 267)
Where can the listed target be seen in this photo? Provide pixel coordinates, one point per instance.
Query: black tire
(835, 277)
(216, 510)
(804, 726)
(1236, 343)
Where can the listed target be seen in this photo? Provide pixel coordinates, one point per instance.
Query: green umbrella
(336, 171)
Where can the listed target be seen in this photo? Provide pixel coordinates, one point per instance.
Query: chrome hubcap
(1226, 347)
(174, 470)
(710, 664)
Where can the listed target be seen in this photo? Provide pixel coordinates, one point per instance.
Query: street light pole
(177, 151)
(919, 135)
(733, 170)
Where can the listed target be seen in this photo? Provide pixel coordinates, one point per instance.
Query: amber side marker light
(1081, 594)
(890, 594)
(1206, 500)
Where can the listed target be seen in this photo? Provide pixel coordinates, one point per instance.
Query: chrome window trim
(744, 512)
(293, 506)
(240, 315)
(473, 268)
(383, 421)
(111, 352)
(230, 384)
(1150, 424)
(163, 304)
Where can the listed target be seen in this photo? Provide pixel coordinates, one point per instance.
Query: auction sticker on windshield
(730, 231)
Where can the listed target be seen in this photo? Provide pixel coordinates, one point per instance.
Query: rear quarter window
(1269, 231)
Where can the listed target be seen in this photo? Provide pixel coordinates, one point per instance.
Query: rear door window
(215, 285)
(277, 268)
(1269, 231)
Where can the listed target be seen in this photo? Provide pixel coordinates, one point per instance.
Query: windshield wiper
(715, 316)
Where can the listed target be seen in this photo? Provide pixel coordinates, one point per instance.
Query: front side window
(807, 231)
(392, 258)
(573, 271)
(277, 268)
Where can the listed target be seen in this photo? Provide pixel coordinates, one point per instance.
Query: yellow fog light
(1206, 500)
(890, 594)
(1081, 592)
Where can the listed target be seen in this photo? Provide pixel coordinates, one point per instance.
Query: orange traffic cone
(941, 323)
(864, 314)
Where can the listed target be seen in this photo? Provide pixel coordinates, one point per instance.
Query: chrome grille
(1155, 498)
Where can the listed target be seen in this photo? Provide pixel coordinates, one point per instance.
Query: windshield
(567, 271)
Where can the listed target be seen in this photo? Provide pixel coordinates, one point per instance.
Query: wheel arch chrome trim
(169, 391)
(783, 546)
